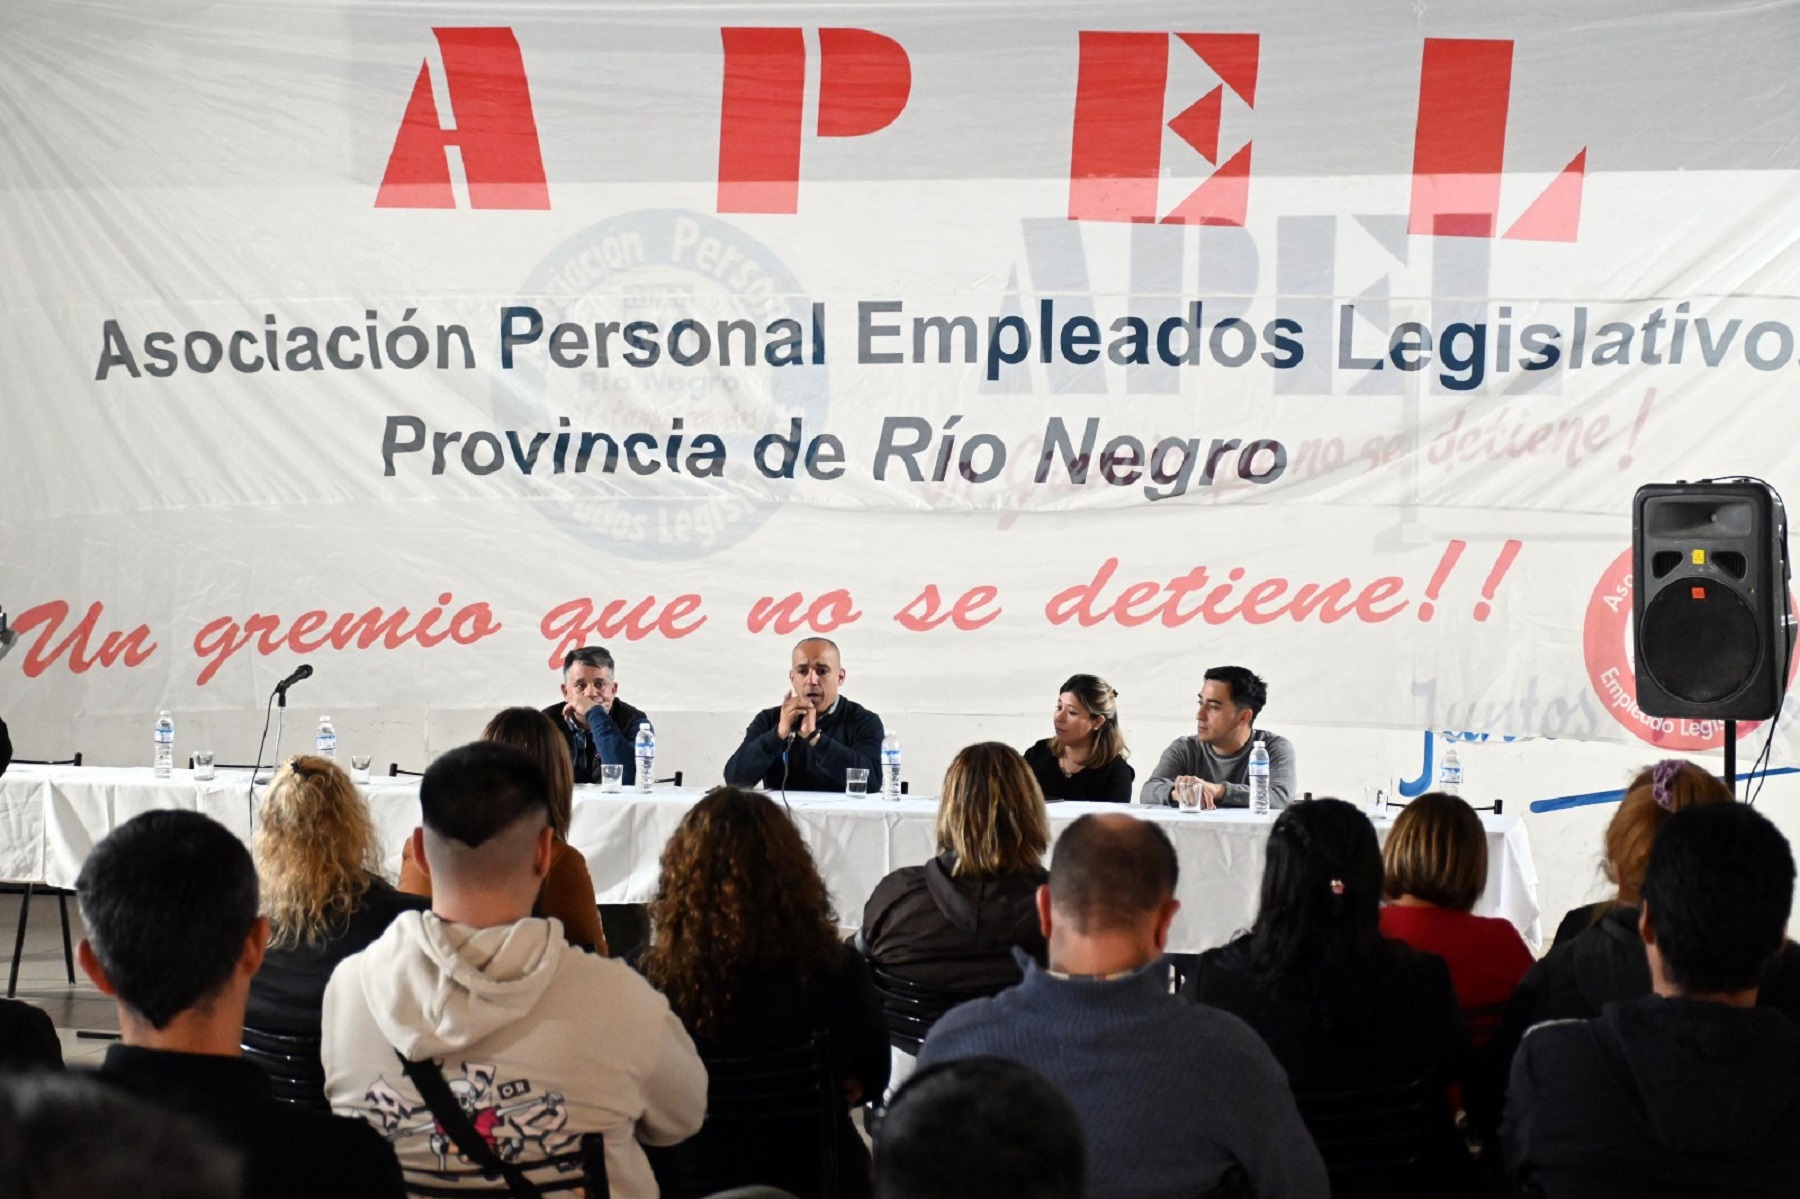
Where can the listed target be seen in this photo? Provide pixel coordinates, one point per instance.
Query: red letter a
(485, 76)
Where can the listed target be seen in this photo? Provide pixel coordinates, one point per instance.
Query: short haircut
(71, 1134)
(992, 813)
(476, 791)
(1247, 689)
(980, 1126)
(168, 898)
(1110, 872)
(596, 656)
(1718, 889)
(821, 641)
(1437, 852)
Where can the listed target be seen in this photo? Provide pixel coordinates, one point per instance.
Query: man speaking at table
(1216, 759)
(818, 732)
(599, 725)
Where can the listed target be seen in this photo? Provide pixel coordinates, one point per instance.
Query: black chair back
(1378, 1141)
(771, 1120)
(291, 1062)
(909, 1009)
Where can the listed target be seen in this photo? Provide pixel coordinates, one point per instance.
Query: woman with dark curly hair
(745, 946)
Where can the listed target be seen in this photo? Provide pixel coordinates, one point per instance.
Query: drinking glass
(856, 780)
(203, 764)
(611, 777)
(359, 768)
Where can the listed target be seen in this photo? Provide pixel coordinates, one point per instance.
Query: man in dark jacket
(1693, 1090)
(806, 742)
(601, 727)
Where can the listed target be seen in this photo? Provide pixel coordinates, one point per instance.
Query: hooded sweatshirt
(539, 1042)
(1658, 1097)
(954, 932)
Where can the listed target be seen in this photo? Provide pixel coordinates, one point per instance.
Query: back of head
(168, 898)
(483, 805)
(1317, 937)
(71, 1136)
(1247, 688)
(980, 1126)
(1718, 890)
(532, 731)
(738, 893)
(1655, 794)
(1111, 872)
(1437, 852)
(992, 813)
(314, 847)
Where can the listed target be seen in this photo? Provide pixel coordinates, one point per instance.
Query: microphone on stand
(277, 698)
(303, 671)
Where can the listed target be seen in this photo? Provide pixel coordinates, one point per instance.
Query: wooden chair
(291, 1062)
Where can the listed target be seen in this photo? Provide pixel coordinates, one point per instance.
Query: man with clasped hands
(818, 732)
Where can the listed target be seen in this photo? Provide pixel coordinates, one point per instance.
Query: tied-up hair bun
(1337, 886)
(1662, 776)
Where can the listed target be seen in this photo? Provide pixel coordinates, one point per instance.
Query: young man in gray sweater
(1212, 768)
(1175, 1098)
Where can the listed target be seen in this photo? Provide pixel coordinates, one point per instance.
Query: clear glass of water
(203, 764)
(611, 777)
(359, 768)
(1186, 796)
(856, 780)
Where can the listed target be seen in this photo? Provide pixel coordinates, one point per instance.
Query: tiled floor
(44, 982)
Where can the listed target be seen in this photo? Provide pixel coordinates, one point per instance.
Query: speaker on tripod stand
(1714, 633)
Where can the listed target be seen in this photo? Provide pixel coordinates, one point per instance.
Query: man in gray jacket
(1214, 764)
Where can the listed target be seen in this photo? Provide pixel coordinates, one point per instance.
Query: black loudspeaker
(1709, 599)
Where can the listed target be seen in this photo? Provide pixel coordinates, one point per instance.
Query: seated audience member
(744, 944)
(568, 894)
(1342, 1007)
(27, 1038)
(1606, 963)
(73, 1136)
(598, 728)
(807, 741)
(173, 935)
(980, 1126)
(1653, 796)
(952, 923)
(1176, 1098)
(316, 858)
(545, 1044)
(1436, 866)
(1692, 1090)
(1214, 764)
(1084, 758)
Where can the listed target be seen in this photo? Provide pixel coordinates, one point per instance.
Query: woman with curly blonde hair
(316, 860)
(745, 946)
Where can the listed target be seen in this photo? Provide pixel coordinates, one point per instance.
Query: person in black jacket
(951, 924)
(807, 741)
(169, 899)
(1084, 758)
(1694, 1090)
(745, 946)
(601, 727)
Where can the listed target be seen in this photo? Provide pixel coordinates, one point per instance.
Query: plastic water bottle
(165, 744)
(325, 743)
(890, 768)
(1450, 772)
(646, 756)
(1259, 779)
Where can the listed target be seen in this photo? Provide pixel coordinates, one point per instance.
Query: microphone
(303, 671)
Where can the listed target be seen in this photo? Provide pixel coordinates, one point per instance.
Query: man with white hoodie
(539, 1043)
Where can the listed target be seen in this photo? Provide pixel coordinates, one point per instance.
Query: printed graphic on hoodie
(506, 1114)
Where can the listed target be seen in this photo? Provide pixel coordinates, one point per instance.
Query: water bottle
(325, 743)
(1259, 779)
(165, 744)
(1450, 772)
(646, 756)
(890, 768)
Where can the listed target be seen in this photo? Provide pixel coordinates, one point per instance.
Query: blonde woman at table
(568, 891)
(1084, 757)
(316, 858)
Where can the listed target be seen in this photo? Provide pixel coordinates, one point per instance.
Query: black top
(1110, 783)
(27, 1038)
(1658, 1097)
(849, 735)
(290, 1151)
(775, 1010)
(5, 748)
(602, 743)
(1576, 921)
(288, 992)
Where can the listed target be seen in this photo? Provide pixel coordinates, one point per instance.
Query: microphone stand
(279, 695)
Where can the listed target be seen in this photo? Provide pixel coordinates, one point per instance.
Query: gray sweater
(1172, 1095)
(1187, 755)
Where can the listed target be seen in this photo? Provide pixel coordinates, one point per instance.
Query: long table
(51, 816)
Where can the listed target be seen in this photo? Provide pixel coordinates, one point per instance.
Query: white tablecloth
(51, 816)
